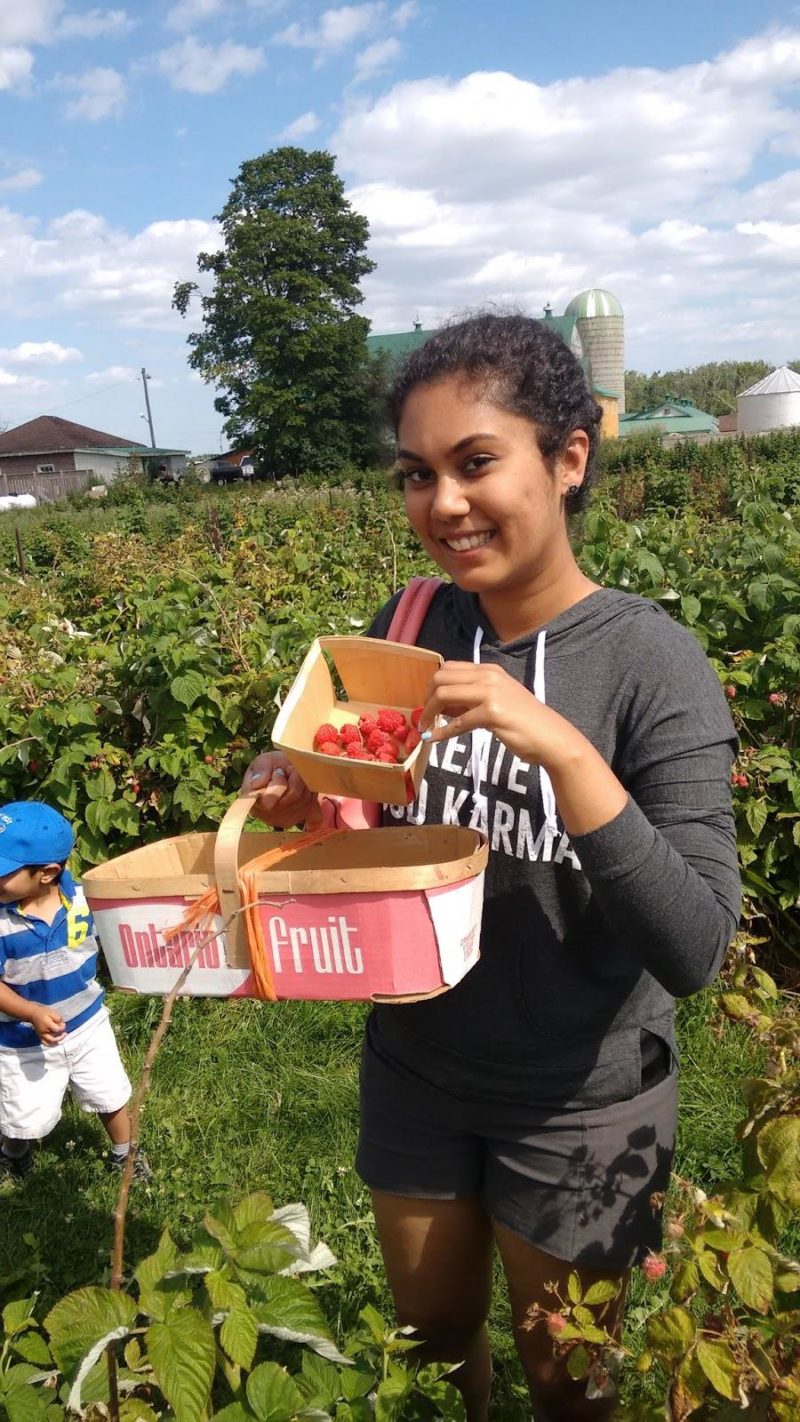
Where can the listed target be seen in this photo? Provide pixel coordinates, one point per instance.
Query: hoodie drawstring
(481, 737)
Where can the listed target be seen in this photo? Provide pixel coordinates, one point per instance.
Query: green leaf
(187, 688)
(154, 1271)
(272, 1394)
(17, 1315)
(222, 1291)
(319, 1381)
(601, 1292)
(24, 1403)
(765, 982)
(81, 1325)
(750, 1272)
(719, 1366)
(756, 813)
(578, 1362)
(778, 1147)
(691, 607)
(32, 1347)
(356, 1383)
(670, 1333)
(574, 1291)
(253, 1209)
(288, 1309)
(133, 1409)
(182, 1353)
(239, 1336)
(234, 1412)
(391, 1396)
(710, 1268)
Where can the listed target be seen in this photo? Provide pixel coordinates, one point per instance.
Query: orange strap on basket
(207, 906)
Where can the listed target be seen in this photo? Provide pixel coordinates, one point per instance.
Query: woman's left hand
(472, 695)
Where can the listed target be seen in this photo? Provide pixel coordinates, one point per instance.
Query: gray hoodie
(585, 942)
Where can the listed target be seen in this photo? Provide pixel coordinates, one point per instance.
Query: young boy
(54, 1028)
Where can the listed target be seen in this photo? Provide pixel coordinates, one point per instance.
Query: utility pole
(145, 378)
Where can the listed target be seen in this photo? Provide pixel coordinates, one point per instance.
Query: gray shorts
(577, 1184)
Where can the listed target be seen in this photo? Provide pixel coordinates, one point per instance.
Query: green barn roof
(397, 343)
(674, 415)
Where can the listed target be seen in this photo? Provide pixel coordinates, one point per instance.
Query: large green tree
(713, 387)
(281, 339)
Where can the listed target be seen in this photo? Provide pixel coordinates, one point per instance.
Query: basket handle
(226, 874)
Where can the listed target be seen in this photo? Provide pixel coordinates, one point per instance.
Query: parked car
(224, 473)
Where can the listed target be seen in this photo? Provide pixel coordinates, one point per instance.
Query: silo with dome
(600, 321)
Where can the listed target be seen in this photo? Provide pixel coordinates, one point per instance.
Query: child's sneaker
(16, 1165)
(141, 1166)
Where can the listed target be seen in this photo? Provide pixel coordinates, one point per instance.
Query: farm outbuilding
(49, 457)
(771, 404)
(674, 418)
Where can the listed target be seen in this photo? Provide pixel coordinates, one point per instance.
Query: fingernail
(256, 777)
(426, 735)
(278, 771)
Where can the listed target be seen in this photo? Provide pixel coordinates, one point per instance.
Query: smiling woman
(532, 1107)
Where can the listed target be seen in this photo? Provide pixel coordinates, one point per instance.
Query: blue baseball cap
(32, 833)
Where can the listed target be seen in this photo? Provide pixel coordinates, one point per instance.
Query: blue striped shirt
(50, 963)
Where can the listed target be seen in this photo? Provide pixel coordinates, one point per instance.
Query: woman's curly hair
(525, 368)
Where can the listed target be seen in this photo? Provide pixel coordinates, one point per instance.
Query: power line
(91, 395)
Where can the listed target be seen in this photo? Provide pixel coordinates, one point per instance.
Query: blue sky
(512, 153)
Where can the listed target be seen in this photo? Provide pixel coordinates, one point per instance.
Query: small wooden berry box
(373, 675)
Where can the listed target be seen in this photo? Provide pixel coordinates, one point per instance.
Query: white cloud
(494, 188)
(101, 94)
(28, 21)
(41, 353)
(192, 12)
(334, 31)
(16, 64)
(205, 68)
(376, 58)
(301, 126)
(95, 24)
(80, 267)
(112, 374)
(23, 180)
(404, 14)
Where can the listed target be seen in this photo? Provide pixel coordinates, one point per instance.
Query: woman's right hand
(283, 799)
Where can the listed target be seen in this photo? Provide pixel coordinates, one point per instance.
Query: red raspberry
(556, 1323)
(401, 732)
(730, 692)
(366, 723)
(416, 716)
(329, 748)
(389, 720)
(742, 781)
(325, 732)
(654, 1267)
(350, 732)
(777, 698)
(376, 739)
(412, 741)
(356, 752)
(387, 755)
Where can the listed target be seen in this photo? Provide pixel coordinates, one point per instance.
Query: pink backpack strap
(405, 626)
(412, 609)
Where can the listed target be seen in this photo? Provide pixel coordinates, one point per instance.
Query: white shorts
(34, 1080)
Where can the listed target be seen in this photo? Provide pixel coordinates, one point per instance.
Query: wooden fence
(46, 488)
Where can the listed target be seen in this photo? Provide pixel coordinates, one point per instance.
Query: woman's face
(477, 490)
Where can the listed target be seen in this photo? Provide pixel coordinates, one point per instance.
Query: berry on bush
(730, 692)
(654, 1267)
(555, 1323)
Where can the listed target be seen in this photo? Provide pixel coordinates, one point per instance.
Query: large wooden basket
(381, 913)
